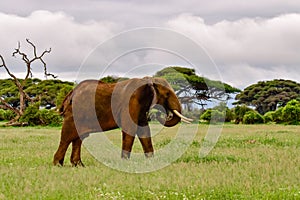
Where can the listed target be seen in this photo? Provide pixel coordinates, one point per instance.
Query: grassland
(248, 162)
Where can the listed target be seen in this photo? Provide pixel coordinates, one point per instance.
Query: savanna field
(248, 162)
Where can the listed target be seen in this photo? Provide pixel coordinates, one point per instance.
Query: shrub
(49, 117)
(291, 112)
(2, 114)
(6, 115)
(253, 117)
(34, 116)
(213, 116)
(206, 115)
(277, 116)
(229, 115)
(61, 95)
(270, 116)
(31, 115)
(239, 112)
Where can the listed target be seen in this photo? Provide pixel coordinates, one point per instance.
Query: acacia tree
(191, 88)
(269, 95)
(20, 83)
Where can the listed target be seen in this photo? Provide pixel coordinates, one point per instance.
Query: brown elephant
(94, 106)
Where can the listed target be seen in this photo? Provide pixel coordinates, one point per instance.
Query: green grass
(248, 162)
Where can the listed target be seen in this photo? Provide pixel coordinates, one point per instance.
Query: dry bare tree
(20, 83)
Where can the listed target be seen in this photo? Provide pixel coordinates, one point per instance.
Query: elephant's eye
(167, 94)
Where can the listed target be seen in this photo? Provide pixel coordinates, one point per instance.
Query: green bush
(62, 94)
(277, 116)
(270, 116)
(253, 117)
(2, 114)
(219, 113)
(229, 116)
(6, 115)
(239, 112)
(31, 115)
(213, 116)
(35, 116)
(291, 112)
(49, 117)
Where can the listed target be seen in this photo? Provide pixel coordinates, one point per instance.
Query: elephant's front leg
(127, 142)
(145, 139)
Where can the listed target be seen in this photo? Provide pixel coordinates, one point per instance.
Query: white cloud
(152, 13)
(265, 44)
(255, 41)
(70, 41)
(243, 75)
(245, 50)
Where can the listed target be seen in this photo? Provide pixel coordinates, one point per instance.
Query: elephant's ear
(161, 81)
(143, 90)
(151, 86)
(149, 81)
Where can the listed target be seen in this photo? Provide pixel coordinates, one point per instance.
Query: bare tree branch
(23, 95)
(5, 105)
(45, 69)
(30, 61)
(17, 51)
(3, 62)
(33, 46)
(16, 81)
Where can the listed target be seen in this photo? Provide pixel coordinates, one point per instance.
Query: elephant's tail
(67, 101)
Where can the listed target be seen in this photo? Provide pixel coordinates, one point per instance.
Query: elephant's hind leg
(59, 156)
(75, 155)
(127, 142)
(68, 133)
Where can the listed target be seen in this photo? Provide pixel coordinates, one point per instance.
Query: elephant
(95, 106)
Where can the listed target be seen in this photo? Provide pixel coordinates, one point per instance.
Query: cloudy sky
(239, 42)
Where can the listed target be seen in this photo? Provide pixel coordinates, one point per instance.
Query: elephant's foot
(149, 155)
(125, 154)
(58, 163)
(77, 163)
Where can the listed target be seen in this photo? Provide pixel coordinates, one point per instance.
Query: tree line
(264, 102)
(47, 95)
(288, 114)
(31, 101)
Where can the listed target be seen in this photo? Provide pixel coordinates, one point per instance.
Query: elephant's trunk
(173, 121)
(168, 103)
(173, 118)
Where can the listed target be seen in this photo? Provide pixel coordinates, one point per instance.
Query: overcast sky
(239, 42)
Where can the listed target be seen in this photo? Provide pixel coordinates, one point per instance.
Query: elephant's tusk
(182, 117)
(188, 122)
